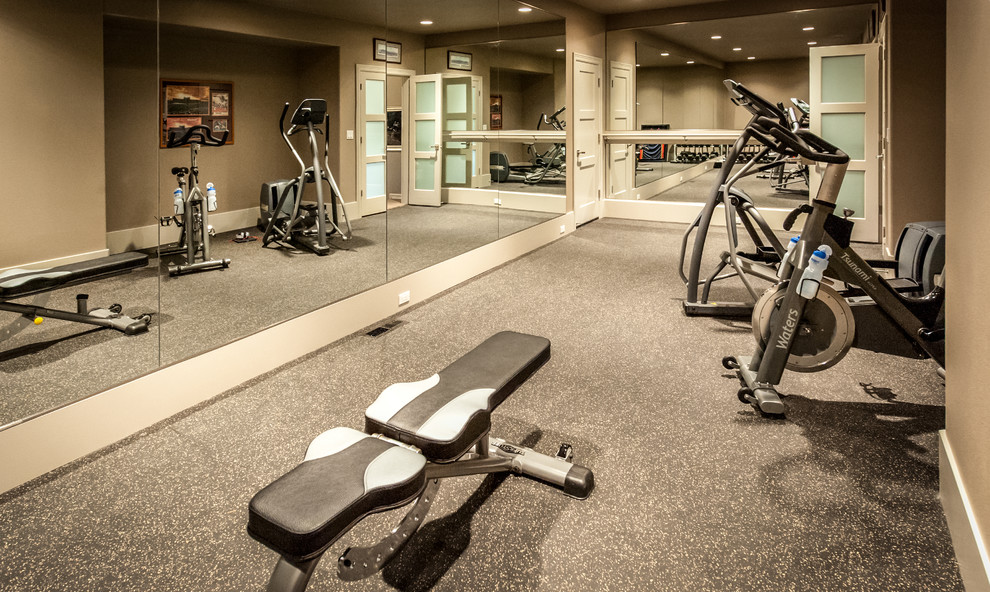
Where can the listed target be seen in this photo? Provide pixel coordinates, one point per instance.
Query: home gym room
(142, 461)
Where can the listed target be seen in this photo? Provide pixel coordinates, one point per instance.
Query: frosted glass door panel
(375, 172)
(426, 97)
(456, 169)
(852, 194)
(375, 97)
(457, 97)
(425, 131)
(374, 138)
(424, 173)
(846, 130)
(843, 79)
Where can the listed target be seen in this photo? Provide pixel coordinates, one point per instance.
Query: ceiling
(763, 37)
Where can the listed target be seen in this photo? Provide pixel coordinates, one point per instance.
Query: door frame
(590, 209)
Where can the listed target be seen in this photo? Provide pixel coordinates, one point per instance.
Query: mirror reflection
(679, 70)
(77, 310)
(483, 66)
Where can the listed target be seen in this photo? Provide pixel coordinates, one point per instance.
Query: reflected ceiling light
(664, 54)
(751, 58)
(426, 22)
(716, 36)
(637, 65)
(690, 61)
(560, 49)
(812, 43)
(525, 9)
(808, 29)
(736, 49)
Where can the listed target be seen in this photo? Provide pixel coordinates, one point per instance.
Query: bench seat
(346, 475)
(446, 414)
(15, 283)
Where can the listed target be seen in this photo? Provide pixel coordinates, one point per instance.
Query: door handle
(436, 150)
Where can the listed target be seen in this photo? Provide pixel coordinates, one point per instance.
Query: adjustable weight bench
(17, 283)
(415, 434)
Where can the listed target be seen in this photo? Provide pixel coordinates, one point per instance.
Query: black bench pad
(346, 476)
(447, 413)
(23, 282)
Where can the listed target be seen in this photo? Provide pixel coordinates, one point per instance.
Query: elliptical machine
(284, 217)
(552, 161)
(803, 324)
(192, 207)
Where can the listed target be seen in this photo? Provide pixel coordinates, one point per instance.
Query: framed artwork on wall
(187, 103)
(387, 51)
(458, 60)
(496, 112)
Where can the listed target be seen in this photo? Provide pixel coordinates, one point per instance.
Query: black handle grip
(199, 134)
(802, 142)
(792, 217)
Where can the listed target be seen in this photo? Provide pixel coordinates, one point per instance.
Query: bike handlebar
(203, 135)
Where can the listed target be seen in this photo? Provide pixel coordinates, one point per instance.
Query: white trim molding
(968, 542)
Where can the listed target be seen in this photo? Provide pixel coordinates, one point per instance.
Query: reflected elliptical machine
(802, 323)
(551, 164)
(284, 216)
(191, 206)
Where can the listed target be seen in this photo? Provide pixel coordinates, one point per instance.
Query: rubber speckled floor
(695, 490)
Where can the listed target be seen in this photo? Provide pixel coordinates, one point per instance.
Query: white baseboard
(146, 237)
(60, 260)
(968, 542)
(83, 427)
(513, 200)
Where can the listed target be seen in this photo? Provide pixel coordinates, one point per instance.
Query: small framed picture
(458, 60)
(187, 99)
(387, 51)
(219, 125)
(220, 104)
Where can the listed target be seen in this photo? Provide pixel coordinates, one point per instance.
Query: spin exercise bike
(552, 161)
(192, 206)
(802, 323)
(284, 216)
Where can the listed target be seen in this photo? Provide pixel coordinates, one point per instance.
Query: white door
(458, 115)
(585, 172)
(370, 103)
(845, 111)
(425, 103)
(621, 116)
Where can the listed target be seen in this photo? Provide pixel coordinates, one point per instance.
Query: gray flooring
(46, 366)
(695, 490)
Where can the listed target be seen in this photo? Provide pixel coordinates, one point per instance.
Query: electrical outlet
(350, 134)
(563, 228)
(403, 297)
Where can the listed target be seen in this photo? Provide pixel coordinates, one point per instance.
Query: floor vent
(384, 328)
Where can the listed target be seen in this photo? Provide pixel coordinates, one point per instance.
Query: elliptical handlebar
(199, 134)
(769, 125)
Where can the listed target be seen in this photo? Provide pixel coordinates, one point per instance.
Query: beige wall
(916, 49)
(51, 65)
(967, 404)
(777, 80)
(683, 97)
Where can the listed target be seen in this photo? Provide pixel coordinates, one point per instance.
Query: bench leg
(290, 576)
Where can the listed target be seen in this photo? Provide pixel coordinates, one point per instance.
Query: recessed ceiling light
(665, 54)
(751, 58)
(812, 43)
(426, 22)
(716, 36)
(690, 61)
(637, 65)
(560, 49)
(808, 29)
(525, 9)
(736, 49)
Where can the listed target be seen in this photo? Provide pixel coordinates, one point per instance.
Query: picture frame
(495, 110)
(393, 127)
(187, 103)
(387, 51)
(459, 60)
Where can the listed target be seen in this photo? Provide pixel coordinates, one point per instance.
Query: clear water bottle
(787, 255)
(211, 197)
(811, 279)
(177, 203)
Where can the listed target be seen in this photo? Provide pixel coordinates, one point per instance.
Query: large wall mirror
(677, 85)
(154, 126)
(468, 73)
